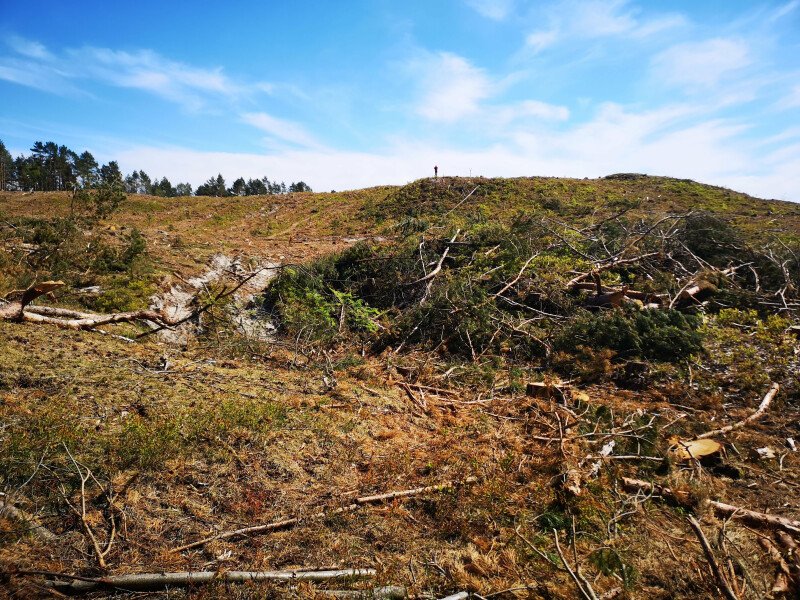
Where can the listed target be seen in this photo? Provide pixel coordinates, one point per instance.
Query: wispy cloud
(784, 9)
(792, 99)
(570, 20)
(539, 40)
(286, 131)
(496, 10)
(34, 65)
(29, 48)
(452, 88)
(703, 64)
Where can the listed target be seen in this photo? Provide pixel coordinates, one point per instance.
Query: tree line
(53, 167)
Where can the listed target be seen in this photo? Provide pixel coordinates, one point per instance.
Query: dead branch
(73, 319)
(464, 199)
(580, 582)
(783, 573)
(722, 583)
(100, 553)
(438, 267)
(387, 592)
(356, 504)
(606, 266)
(13, 311)
(9, 511)
(150, 582)
(756, 519)
(517, 278)
(754, 417)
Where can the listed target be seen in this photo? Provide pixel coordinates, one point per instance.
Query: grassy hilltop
(506, 330)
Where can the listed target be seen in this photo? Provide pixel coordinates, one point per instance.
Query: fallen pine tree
(22, 310)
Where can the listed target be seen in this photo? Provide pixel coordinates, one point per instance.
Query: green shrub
(666, 335)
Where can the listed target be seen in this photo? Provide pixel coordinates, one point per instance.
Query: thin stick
(357, 503)
(754, 417)
(438, 267)
(585, 593)
(752, 517)
(147, 582)
(464, 199)
(517, 278)
(722, 583)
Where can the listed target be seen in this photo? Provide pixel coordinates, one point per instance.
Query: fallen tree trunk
(151, 582)
(69, 319)
(13, 311)
(357, 503)
(753, 518)
(20, 310)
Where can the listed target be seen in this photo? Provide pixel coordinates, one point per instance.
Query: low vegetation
(526, 360)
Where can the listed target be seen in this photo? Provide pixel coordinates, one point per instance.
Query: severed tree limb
(438, 267)
(9, 511)
(783, 573)
(13, 311)
(357, 503)
(756, 519)
(606, 266)
(754, 417)
(517, 278)
(722, 583)
(73, 319)
(98, 320)
(151, 582)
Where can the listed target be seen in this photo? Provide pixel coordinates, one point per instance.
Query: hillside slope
(531, 341)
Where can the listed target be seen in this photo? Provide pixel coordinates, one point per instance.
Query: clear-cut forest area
(503, 388)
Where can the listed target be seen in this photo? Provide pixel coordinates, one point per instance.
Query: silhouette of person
(436, 171)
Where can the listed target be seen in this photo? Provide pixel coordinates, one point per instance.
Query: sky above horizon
(350, 94)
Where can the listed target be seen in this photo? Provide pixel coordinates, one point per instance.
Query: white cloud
(527, 109)
(287, 131)
(590, 19)
(29, 48)
(701, 65)
(792, 99)
(191, 87)
(452, 88)
(40, 76)
(539, 40)
(659, 24)
(784, 10)
(676, 140)
(599, 18)
(150, 72)
(496, 10)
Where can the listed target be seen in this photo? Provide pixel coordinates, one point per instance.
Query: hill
(538, 359)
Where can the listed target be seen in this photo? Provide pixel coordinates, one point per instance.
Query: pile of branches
(530, 288)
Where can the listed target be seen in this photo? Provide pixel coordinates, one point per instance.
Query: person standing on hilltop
(436, 172)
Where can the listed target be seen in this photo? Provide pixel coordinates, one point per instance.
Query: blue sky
(355, 93)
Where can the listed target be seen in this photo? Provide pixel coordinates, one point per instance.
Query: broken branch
(722, 509)
(357, 503)
(149, 582)
(722, 583)
(754, 417)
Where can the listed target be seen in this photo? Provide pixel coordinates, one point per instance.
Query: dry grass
(202, 439)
